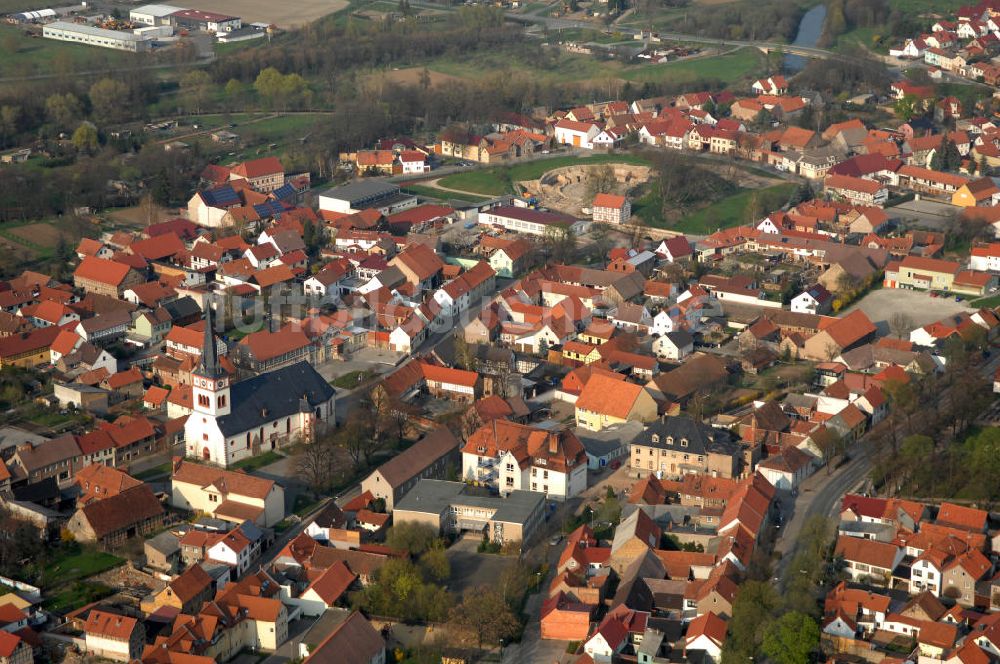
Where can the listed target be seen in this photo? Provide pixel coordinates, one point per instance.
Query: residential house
(605, 401)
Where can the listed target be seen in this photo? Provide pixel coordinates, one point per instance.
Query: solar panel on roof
(221, 197)
(284, 191)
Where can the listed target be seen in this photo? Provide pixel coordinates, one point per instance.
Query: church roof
(270, 396)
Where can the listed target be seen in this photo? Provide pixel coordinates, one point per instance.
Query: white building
(152, 14)
(530, 221)
(673, 346)
(985, 259)
(516, 457)
(231, 422)
(577, 134)
(814, 300)
(87, 34)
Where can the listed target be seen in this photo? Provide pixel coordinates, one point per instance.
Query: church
(230, 422)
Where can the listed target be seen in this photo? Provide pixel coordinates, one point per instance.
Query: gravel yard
(880, 305)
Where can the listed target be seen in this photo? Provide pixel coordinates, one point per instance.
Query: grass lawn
(78, 566)
(259, 461)
(989, 302)
(24, 55)
(304, 504)
(155, 471)
(494, 181)
(921, 6)
(439, 195)
(728, 68)
(74, 595)
(729, 211)
(351, 379)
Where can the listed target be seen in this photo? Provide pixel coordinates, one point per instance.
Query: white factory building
(153, 14)
(91, 36)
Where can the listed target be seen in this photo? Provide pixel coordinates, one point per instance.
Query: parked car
(616, 464)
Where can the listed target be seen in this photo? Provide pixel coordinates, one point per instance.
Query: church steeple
(210, 386)
(209, 365)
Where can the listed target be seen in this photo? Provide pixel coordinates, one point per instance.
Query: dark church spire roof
(209, 366)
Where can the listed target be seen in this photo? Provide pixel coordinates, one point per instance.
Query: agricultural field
(24, 55)
(35, 241)
(498, 180)
(265, 11)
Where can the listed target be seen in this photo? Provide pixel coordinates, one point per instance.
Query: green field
(727, 68)
(921, 6)
(494, 181)
(729, 211)
(23, 55)
(570, 67)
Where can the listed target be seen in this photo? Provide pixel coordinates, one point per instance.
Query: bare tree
(901, 324)
(316, 462)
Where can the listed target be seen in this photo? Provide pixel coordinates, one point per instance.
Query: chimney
(176, 462)
(553, 444)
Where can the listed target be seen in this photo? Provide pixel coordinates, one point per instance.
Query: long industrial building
(91, 36)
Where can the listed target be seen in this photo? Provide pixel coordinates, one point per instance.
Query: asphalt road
(821, 493)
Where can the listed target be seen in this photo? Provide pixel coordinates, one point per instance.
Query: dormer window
(684, 442)
(670, 440)
(481, 449)
(656, 438)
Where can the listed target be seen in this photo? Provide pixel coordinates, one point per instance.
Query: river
(810, 28)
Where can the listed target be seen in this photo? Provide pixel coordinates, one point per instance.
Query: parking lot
(470, 569)
(931, 215)
(881, 305)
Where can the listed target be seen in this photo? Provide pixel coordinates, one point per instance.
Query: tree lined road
(821, 494)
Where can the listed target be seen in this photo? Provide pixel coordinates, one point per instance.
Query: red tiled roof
(101, 270)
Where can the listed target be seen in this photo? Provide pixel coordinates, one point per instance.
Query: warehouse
(153, 14)
(371, 193)
(91, 36)
(196, 19)
(32, 17)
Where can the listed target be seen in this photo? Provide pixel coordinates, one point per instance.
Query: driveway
(880, 305)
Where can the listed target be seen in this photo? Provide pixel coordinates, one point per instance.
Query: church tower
(210, 385)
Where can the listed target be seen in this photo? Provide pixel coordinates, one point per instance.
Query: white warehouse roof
(159, 11)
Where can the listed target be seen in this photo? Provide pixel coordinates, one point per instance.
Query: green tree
(108, 100)
(412, 537)
(63, 110)
(10, 119)
(791, 639)
(196, 86)
(907, 108)
(85, 138)
(268, 84)
(235, 92)
(434, 563)
(753, 613)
